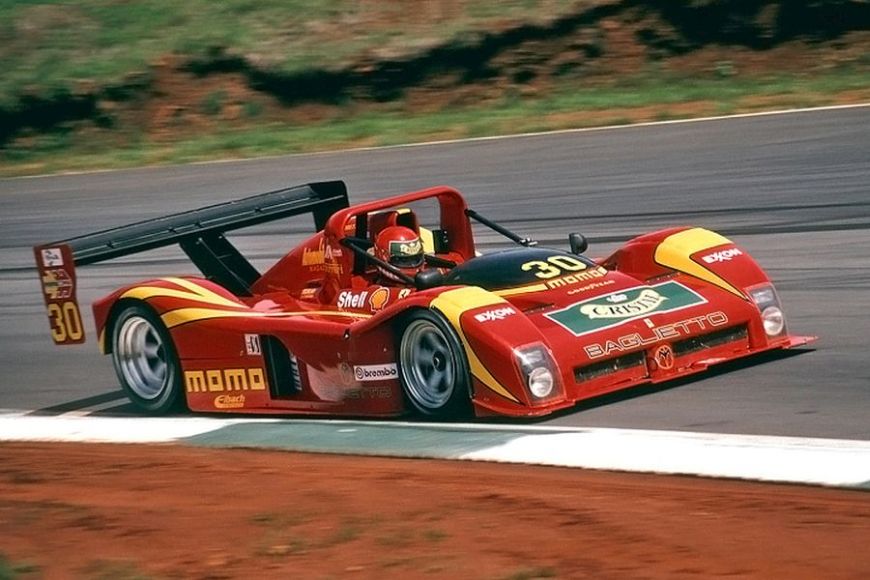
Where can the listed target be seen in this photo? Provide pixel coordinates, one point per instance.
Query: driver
(400, 247)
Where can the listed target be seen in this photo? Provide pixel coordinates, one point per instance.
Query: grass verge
(636, 99)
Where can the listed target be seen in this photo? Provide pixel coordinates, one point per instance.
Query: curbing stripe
(813, 461)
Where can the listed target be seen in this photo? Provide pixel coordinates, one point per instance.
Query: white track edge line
(455, 141)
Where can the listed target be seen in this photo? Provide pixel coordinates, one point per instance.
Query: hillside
(113, 83)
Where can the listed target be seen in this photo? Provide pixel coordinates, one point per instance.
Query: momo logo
(721, 256)
(384, 372)
(608, 311)
(252, 379)
(497, 314)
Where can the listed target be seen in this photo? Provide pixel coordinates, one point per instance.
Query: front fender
(490, 330)
(697, 252)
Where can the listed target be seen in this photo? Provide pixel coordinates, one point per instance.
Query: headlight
(767, 301)
(773, 319)
(541, 382)
(537, 369)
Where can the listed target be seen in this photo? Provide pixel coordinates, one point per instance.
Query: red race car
(388, 308)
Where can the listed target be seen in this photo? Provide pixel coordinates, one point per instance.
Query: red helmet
(400, 247)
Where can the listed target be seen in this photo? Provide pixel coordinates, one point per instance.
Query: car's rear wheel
(432, 366)
(145, 360)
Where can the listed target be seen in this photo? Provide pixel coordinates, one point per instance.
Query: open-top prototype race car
(352, 323)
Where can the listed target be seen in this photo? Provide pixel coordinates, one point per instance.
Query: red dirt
(101, 511)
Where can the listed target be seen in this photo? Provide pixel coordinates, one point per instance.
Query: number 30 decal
(66, 322)
(554, 266)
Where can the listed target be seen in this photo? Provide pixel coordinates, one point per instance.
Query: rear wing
(199, 232)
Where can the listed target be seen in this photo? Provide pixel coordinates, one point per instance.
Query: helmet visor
(407, 261)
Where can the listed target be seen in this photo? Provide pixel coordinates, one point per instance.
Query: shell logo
(379, 298)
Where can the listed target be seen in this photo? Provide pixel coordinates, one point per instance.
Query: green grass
(391, 125)
(16, 570)
(50, 46)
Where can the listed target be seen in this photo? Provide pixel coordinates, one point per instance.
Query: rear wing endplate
(199, 232)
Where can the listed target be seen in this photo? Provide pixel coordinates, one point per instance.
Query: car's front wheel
(432, 366)
(145, 360)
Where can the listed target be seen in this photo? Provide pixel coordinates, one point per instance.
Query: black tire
(146, 361)
(433, 368)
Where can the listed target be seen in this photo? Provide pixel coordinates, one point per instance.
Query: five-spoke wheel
(432, 366)
(145, 360)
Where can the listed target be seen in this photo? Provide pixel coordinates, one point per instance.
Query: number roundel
(66, 322)
(553, 266)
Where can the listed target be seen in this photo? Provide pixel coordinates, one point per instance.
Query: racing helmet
(400, 247)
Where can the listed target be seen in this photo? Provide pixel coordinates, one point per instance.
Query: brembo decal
(383, 372)
(610, 310)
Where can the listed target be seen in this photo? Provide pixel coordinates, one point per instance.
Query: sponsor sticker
(252, 344)
(722, 256)
(57, 284)
(496, 314)
(601, 312)
(379, 298)
(348, 299)
(383, 372)
(408, 248)
(211, 381)
(659, 333)
(373, 392)
(229, 401)
(323, 259)
(52, 258)
(621, 307)
(578, 278)
(664, 357)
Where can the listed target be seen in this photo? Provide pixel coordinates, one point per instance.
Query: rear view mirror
(578, 243)
(428, 279)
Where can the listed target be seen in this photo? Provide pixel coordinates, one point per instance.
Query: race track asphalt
(794, 189)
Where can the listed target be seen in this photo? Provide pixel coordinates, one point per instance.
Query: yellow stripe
(675, 251)
(428, 240)
(521, 290)
(184, 315)
(193, 292)
(213, 297)
(452, 304)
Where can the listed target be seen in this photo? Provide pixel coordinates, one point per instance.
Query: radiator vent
(609, 366)
(710, 340)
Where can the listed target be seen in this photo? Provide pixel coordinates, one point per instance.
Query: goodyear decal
(453, 304)
(676, 250)
(616, 308)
